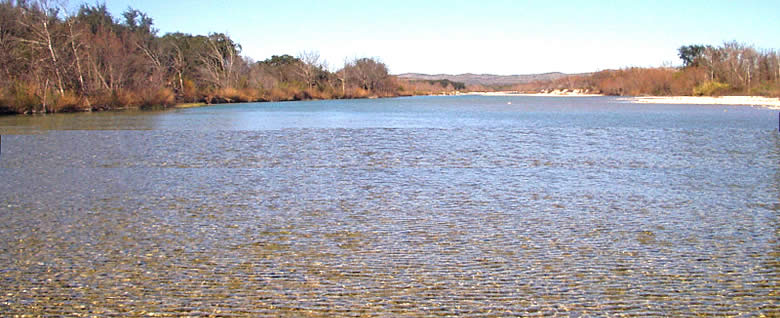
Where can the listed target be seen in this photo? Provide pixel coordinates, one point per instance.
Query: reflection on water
(421, 206)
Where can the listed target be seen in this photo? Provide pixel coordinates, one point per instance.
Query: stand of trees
(730, 69)
(431, 87)
(53, 61)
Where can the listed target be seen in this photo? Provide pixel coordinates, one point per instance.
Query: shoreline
(758, 101)
(766, 102)
(575, 93)
(755, 101)
(189, 105)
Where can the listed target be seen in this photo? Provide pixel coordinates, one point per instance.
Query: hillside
(486, 79)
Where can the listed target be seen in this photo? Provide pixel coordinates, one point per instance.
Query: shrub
(711, 88)
(278, 94)
(190, 91)
(232, 95)
(357, 92)
(20, 98)
(68, 102)
(767, 89)
(125, 98)
(161, 97)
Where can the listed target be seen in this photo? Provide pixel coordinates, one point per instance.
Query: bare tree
(369, 73)
(342, 76)
(176, 63)
(219, 60)
(309, 67)
(10, 61)
(38, 19)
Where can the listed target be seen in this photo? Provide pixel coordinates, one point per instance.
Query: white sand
(551, 94)
(767, 102)
(771, 103)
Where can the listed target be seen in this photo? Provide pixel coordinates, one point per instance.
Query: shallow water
(409, 206)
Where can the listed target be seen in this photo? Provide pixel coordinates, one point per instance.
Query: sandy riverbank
(575, 93)
(768, 102)
(189, 105)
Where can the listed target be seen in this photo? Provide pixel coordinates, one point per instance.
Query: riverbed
(450, 205)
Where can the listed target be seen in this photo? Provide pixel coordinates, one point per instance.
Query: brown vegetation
(53, 62)
(430, 87)
(732, 69)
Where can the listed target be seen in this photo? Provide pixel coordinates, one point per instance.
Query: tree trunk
(45, 88)
(53, 56)
(82, 86)
(181, 83)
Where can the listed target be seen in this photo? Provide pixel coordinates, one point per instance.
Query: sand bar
(551, 94)
(768, 102)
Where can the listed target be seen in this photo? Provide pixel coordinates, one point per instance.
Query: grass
(189, 105)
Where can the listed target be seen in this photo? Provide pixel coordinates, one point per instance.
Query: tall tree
(690, 54)
(40, 20)
(219, 61)
(309, 67)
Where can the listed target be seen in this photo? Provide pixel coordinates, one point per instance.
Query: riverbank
(768, 102)
(218, 101)
(189, 105)
(555, 93)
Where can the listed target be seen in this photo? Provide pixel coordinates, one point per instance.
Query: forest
(730, 69)
(56, 61)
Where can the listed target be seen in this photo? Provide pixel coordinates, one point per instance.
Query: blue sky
(498, 37)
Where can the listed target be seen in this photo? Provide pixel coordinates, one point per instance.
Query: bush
(275, 94)
(284, 92)
(20, 98)
(357, 92)
(232, 95)
(162, 97)
(114, 99)
(69, 102)
(767, 89)
(190, 91)
(711, 88)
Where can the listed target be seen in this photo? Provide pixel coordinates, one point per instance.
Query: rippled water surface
(411, 206)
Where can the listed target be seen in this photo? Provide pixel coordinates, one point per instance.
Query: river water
(466, 205)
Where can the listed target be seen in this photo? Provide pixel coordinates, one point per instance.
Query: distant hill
(486, 79)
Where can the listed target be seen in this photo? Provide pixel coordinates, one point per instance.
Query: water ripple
(495, 221)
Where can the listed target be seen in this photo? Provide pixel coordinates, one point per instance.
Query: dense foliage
(89, 60)
(731, 69)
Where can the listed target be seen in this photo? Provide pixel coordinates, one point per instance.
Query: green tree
(690, 54)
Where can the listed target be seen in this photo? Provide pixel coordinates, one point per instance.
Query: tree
(690, 54)
(90, 60)
(284, 68)
(11, 61)
(40, 21)
(368, 73)
(218, 60)
(309, 67)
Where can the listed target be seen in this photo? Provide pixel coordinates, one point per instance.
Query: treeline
(431, 87)
(730, 69)
(55, 61)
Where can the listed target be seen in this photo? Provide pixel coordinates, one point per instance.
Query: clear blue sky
(452, 36)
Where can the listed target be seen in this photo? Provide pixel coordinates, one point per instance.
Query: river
(459, 205)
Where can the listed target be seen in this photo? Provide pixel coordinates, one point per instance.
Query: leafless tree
(38, 18)
(309, 67)
(218, 61)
